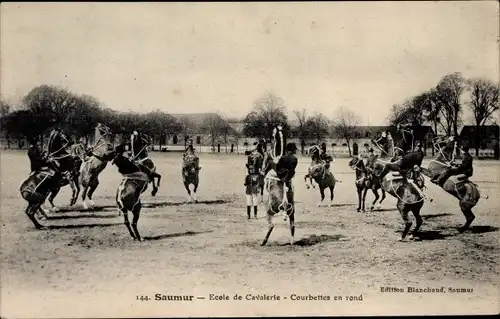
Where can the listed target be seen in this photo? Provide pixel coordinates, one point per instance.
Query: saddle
(140, 176)
(461, 177)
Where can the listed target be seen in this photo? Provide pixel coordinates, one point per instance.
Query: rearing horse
(459, 186)
(280, 199)
(190, 174)
(102, 153)
(408, 194)
(139, 143)
(365, 181)
(316, 172)
(67, 165)
(409, 158)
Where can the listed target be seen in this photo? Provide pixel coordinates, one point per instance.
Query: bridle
(66, 141)
(145, 142)
(105, 131)
(437, 145)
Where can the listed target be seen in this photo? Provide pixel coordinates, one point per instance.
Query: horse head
(445, 147)
(357, 163)
(58, 141)
(102, 140)
(385, 143)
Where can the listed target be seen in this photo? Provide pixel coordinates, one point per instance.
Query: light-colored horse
(459, 186)
(139, 143)
(281, 198)
(94, 165)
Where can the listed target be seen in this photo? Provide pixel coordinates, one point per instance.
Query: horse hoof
(358, 210)
(55, 209)
(85, 206)
(372, 209)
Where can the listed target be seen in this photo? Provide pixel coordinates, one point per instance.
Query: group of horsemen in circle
(401, 164)
(259, 165)
(80, 152)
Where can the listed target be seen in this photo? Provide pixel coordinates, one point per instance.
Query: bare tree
(187, 128)
(483, 103)
(317, 127)
(5, 108)
(345, 125)
(302, 129)
(214, 125)
(268, 112)
(449, 92)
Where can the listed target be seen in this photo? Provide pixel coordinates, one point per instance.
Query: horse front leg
(322, 192)
(53, 194)
(375, 192)
(155, 186)
(186, 186)
(292, 226)
(365, 190)
(75, 186)
(93, 186)
(305, 181)
(359, 190)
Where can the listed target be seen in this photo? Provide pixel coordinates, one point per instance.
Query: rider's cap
(291, 147)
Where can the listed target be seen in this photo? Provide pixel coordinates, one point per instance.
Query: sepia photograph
(214, 159)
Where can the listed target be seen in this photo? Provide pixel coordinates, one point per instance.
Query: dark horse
(402, 145)
(35, 190)
(93, 166)
(134, 183)
(69, 166)
(139, 143)
(364, 182)
(316, 173)
(409, 197)
(190, 173)
(459, 186)
(280, 197)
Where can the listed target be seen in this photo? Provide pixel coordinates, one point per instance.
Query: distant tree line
(46, 107)
(442, 106)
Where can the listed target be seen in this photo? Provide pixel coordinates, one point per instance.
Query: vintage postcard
(249, 159)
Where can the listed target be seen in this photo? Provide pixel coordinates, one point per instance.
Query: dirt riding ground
(86, 264)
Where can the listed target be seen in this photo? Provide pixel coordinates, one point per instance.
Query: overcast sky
(201, 57)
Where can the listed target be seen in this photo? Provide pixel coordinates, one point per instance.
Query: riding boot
(249, 209)
(255, 211)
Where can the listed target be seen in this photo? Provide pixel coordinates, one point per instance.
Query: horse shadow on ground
(172, 235)
(308, 241)
(165, 204)
(79, 208)
(383, 210)
(57, 217)
(52, 227)
(427, 217)
(438, 235)
(315, 239)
